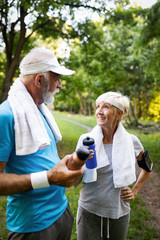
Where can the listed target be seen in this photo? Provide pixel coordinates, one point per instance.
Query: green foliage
(108, 58)
(154, 109)
(2, 69)
(115, 53)
(21, 20)
(151, 28)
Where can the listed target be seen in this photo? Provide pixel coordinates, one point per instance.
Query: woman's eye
(106, 106)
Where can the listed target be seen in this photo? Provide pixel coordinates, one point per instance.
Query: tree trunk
(135, 111)
(89, 108)
(8, 79)
(134, 114)
(129, 123)
(12, 62)
(140, 108)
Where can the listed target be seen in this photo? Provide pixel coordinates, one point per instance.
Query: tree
(150, 39)
(154, 108)
(141, 51)
(21, 19)
(113, 54)
(106, 57)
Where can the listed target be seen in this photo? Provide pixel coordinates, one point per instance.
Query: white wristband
(39, 180)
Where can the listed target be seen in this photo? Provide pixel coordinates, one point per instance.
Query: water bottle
(78, 158)
(91, 163)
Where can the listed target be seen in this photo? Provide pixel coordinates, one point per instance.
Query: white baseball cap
(50, 65)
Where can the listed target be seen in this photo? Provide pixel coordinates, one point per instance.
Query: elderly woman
(104, 210)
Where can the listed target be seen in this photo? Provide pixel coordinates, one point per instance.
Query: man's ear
(39, 80)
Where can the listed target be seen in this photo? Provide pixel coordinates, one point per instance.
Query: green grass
(86, 120)
(3, 231)
(72, 194)
(70, 135)
(138, 228)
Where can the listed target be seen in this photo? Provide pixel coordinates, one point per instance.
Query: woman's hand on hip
(127, 194)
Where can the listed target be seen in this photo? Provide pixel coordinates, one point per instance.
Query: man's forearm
(59, 175)
(13, 183)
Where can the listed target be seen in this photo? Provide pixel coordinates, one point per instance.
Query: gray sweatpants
(59, 230)
(93, 227)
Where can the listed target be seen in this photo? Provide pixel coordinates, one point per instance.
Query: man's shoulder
(5, 110)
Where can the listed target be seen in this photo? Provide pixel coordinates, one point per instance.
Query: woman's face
(107, 115)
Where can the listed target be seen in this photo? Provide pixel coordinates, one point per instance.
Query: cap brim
(61, 70)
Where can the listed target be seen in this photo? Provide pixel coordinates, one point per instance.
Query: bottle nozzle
(83, 153)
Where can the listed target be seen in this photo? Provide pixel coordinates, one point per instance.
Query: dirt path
(88, 129)
(150, 193)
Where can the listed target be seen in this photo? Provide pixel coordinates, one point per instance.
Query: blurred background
(111, 45)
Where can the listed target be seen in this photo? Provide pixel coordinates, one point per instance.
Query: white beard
(48, 98)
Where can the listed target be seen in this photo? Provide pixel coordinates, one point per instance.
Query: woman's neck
(108, 134)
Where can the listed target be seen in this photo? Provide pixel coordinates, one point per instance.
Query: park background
(111, 46)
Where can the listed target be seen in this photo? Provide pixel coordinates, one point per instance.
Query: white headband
(111, 100)
(51, 65)
(114, 103)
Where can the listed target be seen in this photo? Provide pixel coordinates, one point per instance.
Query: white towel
(123, 156)
(30, 132)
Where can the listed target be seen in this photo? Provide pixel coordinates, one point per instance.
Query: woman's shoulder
(138, 147)
(135, 139)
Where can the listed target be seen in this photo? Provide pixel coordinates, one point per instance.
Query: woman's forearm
(142, 179)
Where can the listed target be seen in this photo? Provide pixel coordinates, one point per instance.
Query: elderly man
(31, 172)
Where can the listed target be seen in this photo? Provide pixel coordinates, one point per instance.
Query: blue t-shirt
(33, 210)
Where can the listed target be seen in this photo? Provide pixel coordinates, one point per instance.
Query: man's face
(51, 86)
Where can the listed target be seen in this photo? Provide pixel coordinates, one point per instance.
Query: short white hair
(116, 99)
(37, 55)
